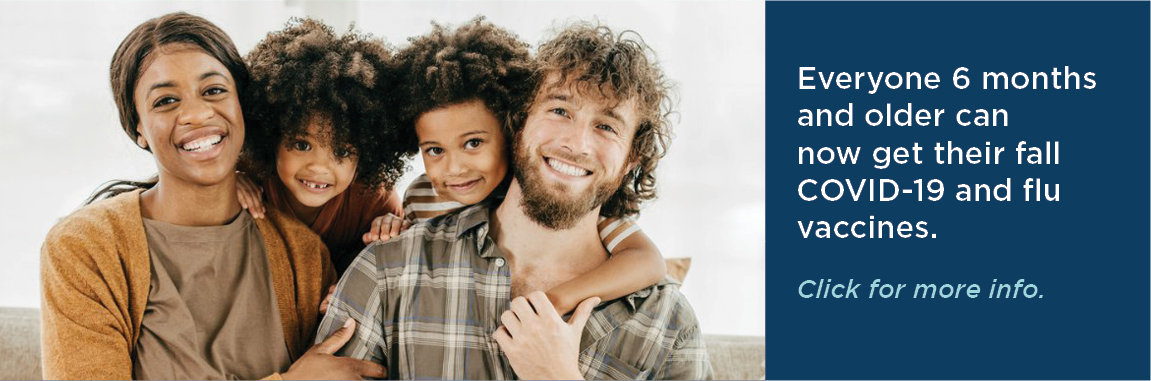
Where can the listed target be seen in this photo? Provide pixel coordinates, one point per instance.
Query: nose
(319, 160)
(577, 138)
(195, 111)
(455, 165)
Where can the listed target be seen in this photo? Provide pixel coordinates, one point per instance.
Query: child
(459, 90)
(319, 142)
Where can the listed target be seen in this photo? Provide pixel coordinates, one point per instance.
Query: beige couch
(733, 357)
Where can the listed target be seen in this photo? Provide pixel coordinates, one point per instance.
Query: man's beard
(546, 204)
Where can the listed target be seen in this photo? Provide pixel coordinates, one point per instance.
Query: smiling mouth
(464, 186)
(202, 144)
(566, 168)
(314, 185)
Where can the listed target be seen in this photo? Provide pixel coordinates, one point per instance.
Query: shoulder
(432, 238)
(287, 227)
(661, 307)
(98, 252)
(664, 298)
(421, 186)
(421, 201)
(97, 228)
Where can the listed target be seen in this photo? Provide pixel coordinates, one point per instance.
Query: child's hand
(327, 300)
(250, 194)
(385, 228)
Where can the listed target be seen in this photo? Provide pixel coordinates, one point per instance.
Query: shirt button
(500, 262)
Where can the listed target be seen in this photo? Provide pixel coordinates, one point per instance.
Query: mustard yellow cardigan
(95, 275)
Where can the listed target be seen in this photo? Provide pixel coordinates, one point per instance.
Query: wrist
(559, 302)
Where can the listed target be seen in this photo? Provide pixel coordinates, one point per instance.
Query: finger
(369, 369)
(511, 323)
(396, 225)
(327, 299)
(582, 313)
(337, 340)
(503, 338)
(367, 238)
(543, 306)
(376, 223)
(522, 308)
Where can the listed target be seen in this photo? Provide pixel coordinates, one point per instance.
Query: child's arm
(635, 263)
(250, 195)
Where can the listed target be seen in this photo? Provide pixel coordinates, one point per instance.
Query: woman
(174, 280)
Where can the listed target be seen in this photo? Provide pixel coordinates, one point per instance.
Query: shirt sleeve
(85, 330)
(358, 296)
(612, 231)
(688, 359)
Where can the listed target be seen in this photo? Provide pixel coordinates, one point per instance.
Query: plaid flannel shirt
(426, 305)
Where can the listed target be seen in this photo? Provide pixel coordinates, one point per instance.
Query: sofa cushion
(732, 357)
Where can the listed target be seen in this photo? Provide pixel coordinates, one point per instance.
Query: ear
(631, 165)
(140, 141)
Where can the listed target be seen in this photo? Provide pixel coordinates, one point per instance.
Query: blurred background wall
(60, 137)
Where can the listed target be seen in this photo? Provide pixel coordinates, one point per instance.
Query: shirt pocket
(609, 367)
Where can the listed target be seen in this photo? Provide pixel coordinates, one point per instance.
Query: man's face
(572, 152)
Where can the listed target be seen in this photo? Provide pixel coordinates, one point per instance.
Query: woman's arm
(635, 263)
(86, 326)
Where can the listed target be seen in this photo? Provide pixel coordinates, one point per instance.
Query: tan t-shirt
(211, 311)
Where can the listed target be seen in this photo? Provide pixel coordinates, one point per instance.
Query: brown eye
(300, 145)
(164, 102)
(559, 111)
(434, 151)
(342, 153)
(473, 143)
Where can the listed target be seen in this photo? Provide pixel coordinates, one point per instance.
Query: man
(459, 296)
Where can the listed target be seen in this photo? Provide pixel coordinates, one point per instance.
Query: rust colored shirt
(344, 219)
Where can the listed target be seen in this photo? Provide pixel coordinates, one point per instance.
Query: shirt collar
(473, 217)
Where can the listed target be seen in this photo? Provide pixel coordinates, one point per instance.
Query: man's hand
(539, 344)
(318, 363)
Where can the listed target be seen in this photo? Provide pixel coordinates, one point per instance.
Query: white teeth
(567, 169)
(203, 143)
(312, 185)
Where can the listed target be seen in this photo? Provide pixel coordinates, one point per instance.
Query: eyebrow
(610, 113)
(558, 97)
(173, 83)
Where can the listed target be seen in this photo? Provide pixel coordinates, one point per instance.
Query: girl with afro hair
(459, 92)
(322, 148)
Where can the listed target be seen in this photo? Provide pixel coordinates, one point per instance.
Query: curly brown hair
(306, 71)
(620, 67)
(477, 60)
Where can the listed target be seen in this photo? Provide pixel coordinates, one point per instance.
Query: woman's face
(189, 116)
(464, 150)
(311, 170)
